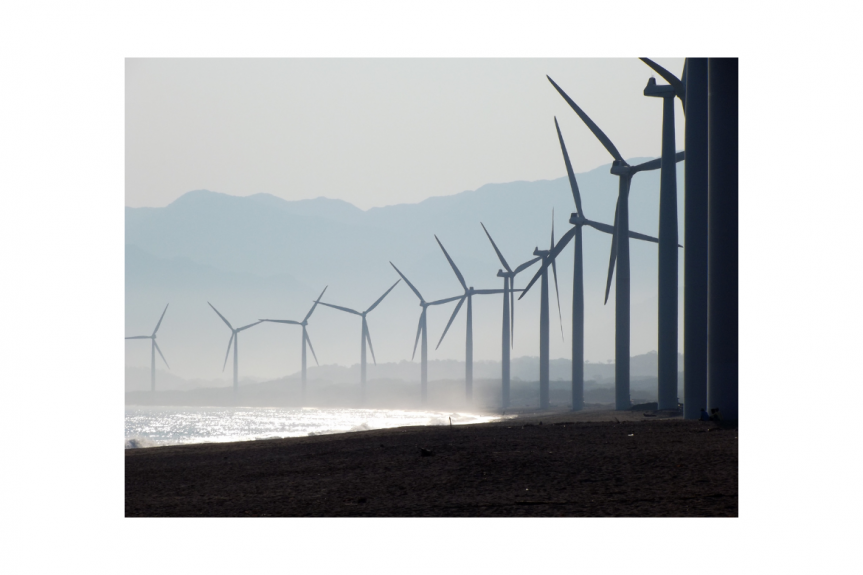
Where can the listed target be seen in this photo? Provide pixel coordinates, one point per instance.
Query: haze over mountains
(263, 257)
(522, 369)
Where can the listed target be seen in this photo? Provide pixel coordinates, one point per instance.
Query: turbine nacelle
(577, 219)
(620, 168)
(656, 91)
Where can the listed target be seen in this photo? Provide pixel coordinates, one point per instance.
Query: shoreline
(571, 464)
(591, 412)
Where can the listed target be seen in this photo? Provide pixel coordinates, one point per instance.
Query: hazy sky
(374, 132)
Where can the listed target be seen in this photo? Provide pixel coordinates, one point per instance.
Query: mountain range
(260, 256)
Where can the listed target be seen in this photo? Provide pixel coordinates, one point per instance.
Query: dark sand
(591, 464)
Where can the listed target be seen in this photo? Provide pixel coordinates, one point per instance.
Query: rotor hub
(619, 168)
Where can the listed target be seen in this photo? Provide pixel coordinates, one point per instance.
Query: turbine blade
(551, 246)
(446, 300)
(410, 285)
(593, 127)
(160, 320)
(347, 309)
(643, 237)
(683, 79)
(564, 241)
(452, 317)
(497, 251)
(572, 183)
(230, 341)
(533, 280)
(679, 89)
(283, 321)
(309, 340)
(419, 330)
(557, 292)
(248, 326)
(380, 299)
(452, 265)
(527, 264)
(657, 163)
(634, 235)
(599, 226)
(147, 336)
(487, 291)
(314, 305)
(221, 316)
(369, 339)
(613, 256)
(649, 165)
(160, 354)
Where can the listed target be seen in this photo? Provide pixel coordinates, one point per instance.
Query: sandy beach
(595, 463)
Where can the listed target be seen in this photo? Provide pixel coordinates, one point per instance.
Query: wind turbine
(234, 340)
(667, 300)
(306, 338)
(619, 251)
(422, 331)
(545, 255)
(365, 336)
(508, 315)
(578, 221)
(153, 349)
(469, 292)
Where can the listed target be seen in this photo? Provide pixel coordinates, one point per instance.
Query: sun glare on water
(155, 426)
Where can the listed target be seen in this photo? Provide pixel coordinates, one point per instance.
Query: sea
(152, 426)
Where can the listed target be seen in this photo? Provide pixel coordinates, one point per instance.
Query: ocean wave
(139, 442)
(458, 419)
(324, 432)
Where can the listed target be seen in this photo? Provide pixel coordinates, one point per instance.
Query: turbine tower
(619, 252)
(722, 308)
(306, 338)
(508, 315)
(154, 347)
(695, 258)
(578, 221)
(234, 340)
(422, 333)
(545, 255)
(469, 292)
(364, 337)
(667, 289)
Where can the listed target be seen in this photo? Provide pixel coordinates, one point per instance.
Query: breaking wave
(139, 442)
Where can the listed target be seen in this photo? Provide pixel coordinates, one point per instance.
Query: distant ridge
(263, 256)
